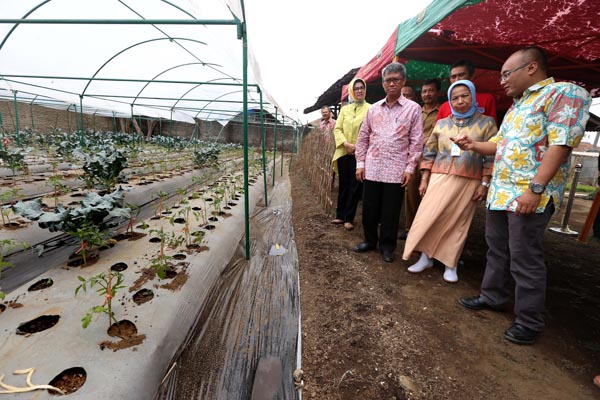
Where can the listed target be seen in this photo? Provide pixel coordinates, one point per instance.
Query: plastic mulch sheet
(252, 313)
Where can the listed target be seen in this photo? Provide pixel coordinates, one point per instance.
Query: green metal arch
(24, 16)
(216, 98)
(129, 48)
(170, 69)
(198, 85)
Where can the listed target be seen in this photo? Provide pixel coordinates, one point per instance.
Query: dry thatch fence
(315, 162)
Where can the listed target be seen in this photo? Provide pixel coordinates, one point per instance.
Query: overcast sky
(303, 47)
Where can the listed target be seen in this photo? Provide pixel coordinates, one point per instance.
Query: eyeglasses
(359, 89)
(504, 75)
(392, 80)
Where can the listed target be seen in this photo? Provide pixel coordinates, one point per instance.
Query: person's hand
(527, 203)
(360, 174)
(464, 142)
(406, 179)
(423, 187)
(480, 193)
(350, 148)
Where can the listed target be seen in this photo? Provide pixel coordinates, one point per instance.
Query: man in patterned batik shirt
(532, 153)
(389, 145)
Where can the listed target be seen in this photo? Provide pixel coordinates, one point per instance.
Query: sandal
(348, 226)
(337, 221)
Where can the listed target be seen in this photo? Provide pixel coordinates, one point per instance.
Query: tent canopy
(487, 32)
(185, 65)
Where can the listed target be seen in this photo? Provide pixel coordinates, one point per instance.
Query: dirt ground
(371, 330)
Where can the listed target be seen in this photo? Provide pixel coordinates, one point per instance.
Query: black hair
(464, 63)
(534, 53)
(433, 81)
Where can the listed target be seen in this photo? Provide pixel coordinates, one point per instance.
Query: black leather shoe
(363, 247)
(520, 334)
(403, 235)
(477, 303)
(388, 256)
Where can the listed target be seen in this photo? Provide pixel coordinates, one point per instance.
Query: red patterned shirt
(390, 141)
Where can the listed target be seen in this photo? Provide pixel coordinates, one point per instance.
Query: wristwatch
(537, 188)
(486, 184)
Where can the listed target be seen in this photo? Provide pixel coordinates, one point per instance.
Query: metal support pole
(262, 143)
(81, 123)
(282, 141)
(17, 118)
(69, 118)
(94, 119)
(245, 94)
(31, 113)
(564, 229)
(295, 137)
(114, 122)
(274, 145)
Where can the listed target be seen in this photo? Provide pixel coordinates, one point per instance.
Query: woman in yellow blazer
(344, 162)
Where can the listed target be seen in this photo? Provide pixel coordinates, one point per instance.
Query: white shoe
(451, 275)
(421, 265)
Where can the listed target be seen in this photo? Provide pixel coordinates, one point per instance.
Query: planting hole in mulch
(39, 179)
(73, 203)
(232, 204)
(12, 225)
(196, 208)
(69, 381)
(154, 240)
(179, 256)
(213, 219)
(77, 260)
(77, 195)
(41, 284)
(197, 233)
(155, 217)
(129, 235)
(127, 332)
(209, 227)
(143, 296)
(2, 308)
(174, 207)
(122, 329)
(226, 208)
(179, 220)
(208, 199)
(38, 324)
(119, 267)
(167, 213)
(198, 248)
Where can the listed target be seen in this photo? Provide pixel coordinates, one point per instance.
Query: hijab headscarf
(351, 89)
(470, 111)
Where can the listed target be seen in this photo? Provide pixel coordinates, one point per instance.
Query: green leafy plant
(180, 195)
(15, 158)
(90, 222)
(58, 187)
(162, 197)
(161, 263)
(5, 246)
(207, 156)
(108, 284)
(104, 167)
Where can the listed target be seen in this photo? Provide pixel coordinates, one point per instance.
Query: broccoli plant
(15, 158)
(105, 167)
(108, 284)
(90, 222)
(207, 156)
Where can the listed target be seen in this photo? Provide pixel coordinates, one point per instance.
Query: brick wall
(47, 119)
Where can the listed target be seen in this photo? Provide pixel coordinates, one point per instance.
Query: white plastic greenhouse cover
(194, 54)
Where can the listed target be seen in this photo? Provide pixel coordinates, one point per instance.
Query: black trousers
(350, 189)
(382, 202)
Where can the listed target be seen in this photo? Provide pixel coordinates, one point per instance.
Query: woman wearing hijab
(452, 182)
(344, 162)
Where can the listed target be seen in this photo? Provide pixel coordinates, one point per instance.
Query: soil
(126, 331)
(41, 284)
(69, 381)
(129, 235)
(143, 296)
(371, 330)
(147, 274)
(38, 324)
(179, 280)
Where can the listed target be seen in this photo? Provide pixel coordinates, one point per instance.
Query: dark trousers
(516, 249)
(350, 189)
(382, 203)
(412, 198)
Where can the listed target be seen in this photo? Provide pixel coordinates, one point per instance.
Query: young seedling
(162, 197)
(59, 188)
(108, 286)
(160, 263)
(90, 236)
(134, 213)
(180, 196)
